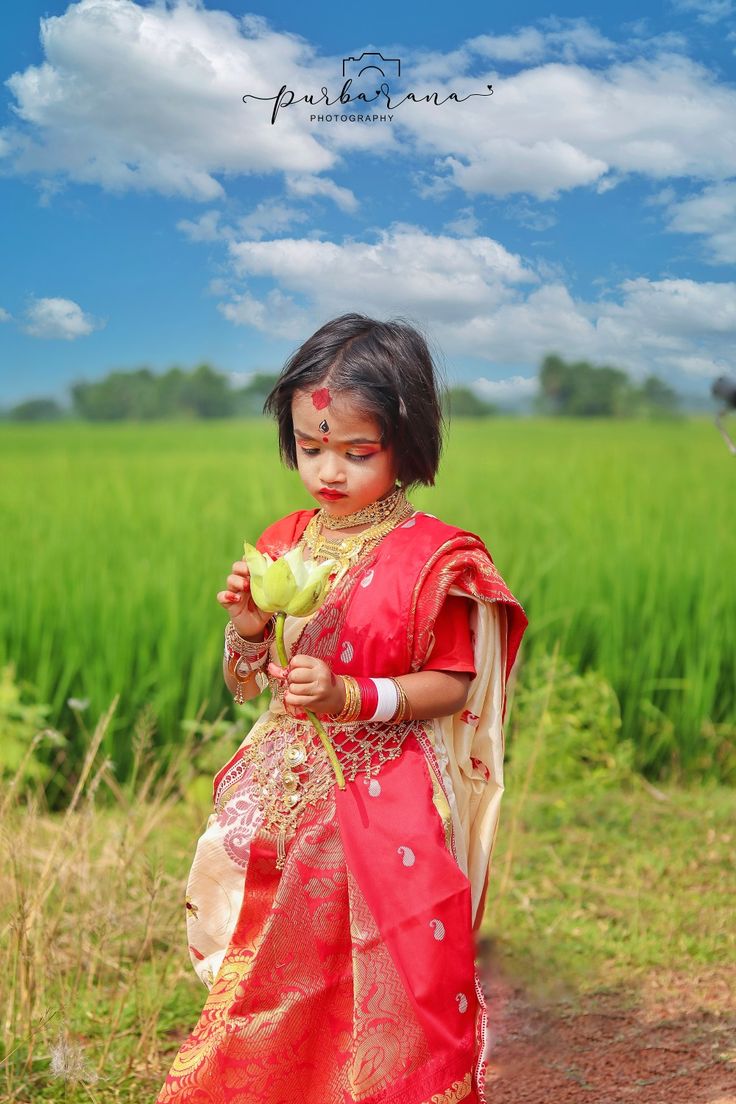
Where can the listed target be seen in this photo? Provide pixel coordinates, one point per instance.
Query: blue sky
(149, 216)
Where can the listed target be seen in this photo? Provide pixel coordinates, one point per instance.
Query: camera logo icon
(371, 63)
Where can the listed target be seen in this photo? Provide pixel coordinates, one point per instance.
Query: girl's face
(339, 448)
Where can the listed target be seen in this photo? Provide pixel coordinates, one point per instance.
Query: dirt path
(674, 1043)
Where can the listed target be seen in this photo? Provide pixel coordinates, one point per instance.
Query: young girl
(334, 927)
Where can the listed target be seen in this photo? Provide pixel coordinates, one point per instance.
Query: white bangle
(388, 699)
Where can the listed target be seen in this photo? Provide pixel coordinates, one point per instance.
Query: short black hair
(390, 369)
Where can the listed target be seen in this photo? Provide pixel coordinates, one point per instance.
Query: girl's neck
(353, 530)
(357, 539)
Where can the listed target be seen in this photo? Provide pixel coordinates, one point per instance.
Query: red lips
(331, 494)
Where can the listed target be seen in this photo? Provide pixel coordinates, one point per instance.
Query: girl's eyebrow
(352, 441)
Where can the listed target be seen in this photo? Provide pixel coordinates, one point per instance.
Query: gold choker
(373, 514)
(349, 549)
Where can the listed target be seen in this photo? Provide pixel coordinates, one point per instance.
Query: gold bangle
(403, 710)
(351, 709)
(245, 658)
(248, 648)
(352, 703)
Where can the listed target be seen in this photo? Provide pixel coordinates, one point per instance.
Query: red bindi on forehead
(321, 398)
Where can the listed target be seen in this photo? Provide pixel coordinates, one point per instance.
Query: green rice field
(618, 538)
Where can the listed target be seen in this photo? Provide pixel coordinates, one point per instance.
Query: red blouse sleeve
(453, 648)
(278, 537)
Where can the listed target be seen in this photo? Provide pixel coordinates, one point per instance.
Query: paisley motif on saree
(349, 974)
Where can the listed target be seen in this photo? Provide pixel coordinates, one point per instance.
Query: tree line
(581, 389)
(577, 389)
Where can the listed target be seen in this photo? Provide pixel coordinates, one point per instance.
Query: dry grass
(99, 992)
(92, 922)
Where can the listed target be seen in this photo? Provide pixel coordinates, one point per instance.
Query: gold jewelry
(246, 657)
(351, 709)
(348, 549)
(249, 648)
(374, 512)
(403, 710)
(291, 769)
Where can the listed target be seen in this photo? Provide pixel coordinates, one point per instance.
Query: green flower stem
(280, 648)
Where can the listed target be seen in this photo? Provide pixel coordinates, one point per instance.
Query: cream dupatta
(471, 752)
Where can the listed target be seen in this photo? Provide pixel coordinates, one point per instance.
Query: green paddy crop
(618, 539)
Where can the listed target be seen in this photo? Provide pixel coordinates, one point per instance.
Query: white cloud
(670, 325)
(529, 214)
(482, 301)
(679, 307)
(219, 286)
(430, 186)
(436, 275)
(543, 168)
(707, 11)
(270, 216)
(552, 37)
(5, 316)
(504, 390)
(464, 224)
(58, 319)
(320, 186)
(525, 45)
(275, 313)
(206, 228)
(150, 97)
(559, 126)
(661, 198)
(240, 379)
(711, 213)
(566, 38)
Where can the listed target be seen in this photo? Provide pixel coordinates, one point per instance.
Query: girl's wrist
(340, 697)
(244, 657)
(254, 636)
(369, 699)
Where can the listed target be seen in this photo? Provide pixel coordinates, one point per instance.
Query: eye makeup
(357, 457)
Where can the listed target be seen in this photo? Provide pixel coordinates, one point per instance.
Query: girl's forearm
(435, 693)
(429, 693)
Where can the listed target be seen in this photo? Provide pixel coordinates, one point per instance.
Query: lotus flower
(297, 587)
(288, 584)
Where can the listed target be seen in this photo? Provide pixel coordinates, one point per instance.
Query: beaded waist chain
(290, 768)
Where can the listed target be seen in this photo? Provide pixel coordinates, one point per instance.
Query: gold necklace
(291, 771)
(373, 513)
(348, 549)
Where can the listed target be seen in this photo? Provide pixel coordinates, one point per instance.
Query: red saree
(340, 964)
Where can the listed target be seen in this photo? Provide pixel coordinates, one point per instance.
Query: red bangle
(368, 698)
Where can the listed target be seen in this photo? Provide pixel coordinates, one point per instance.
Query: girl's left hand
(310, 684)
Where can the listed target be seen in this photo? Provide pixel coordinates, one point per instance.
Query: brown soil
(673, 1041)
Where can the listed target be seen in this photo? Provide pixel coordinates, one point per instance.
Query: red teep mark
(321, 397)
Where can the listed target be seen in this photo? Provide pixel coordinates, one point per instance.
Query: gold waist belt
(290, 768)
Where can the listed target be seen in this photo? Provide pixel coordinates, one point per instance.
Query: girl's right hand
(245, 615)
